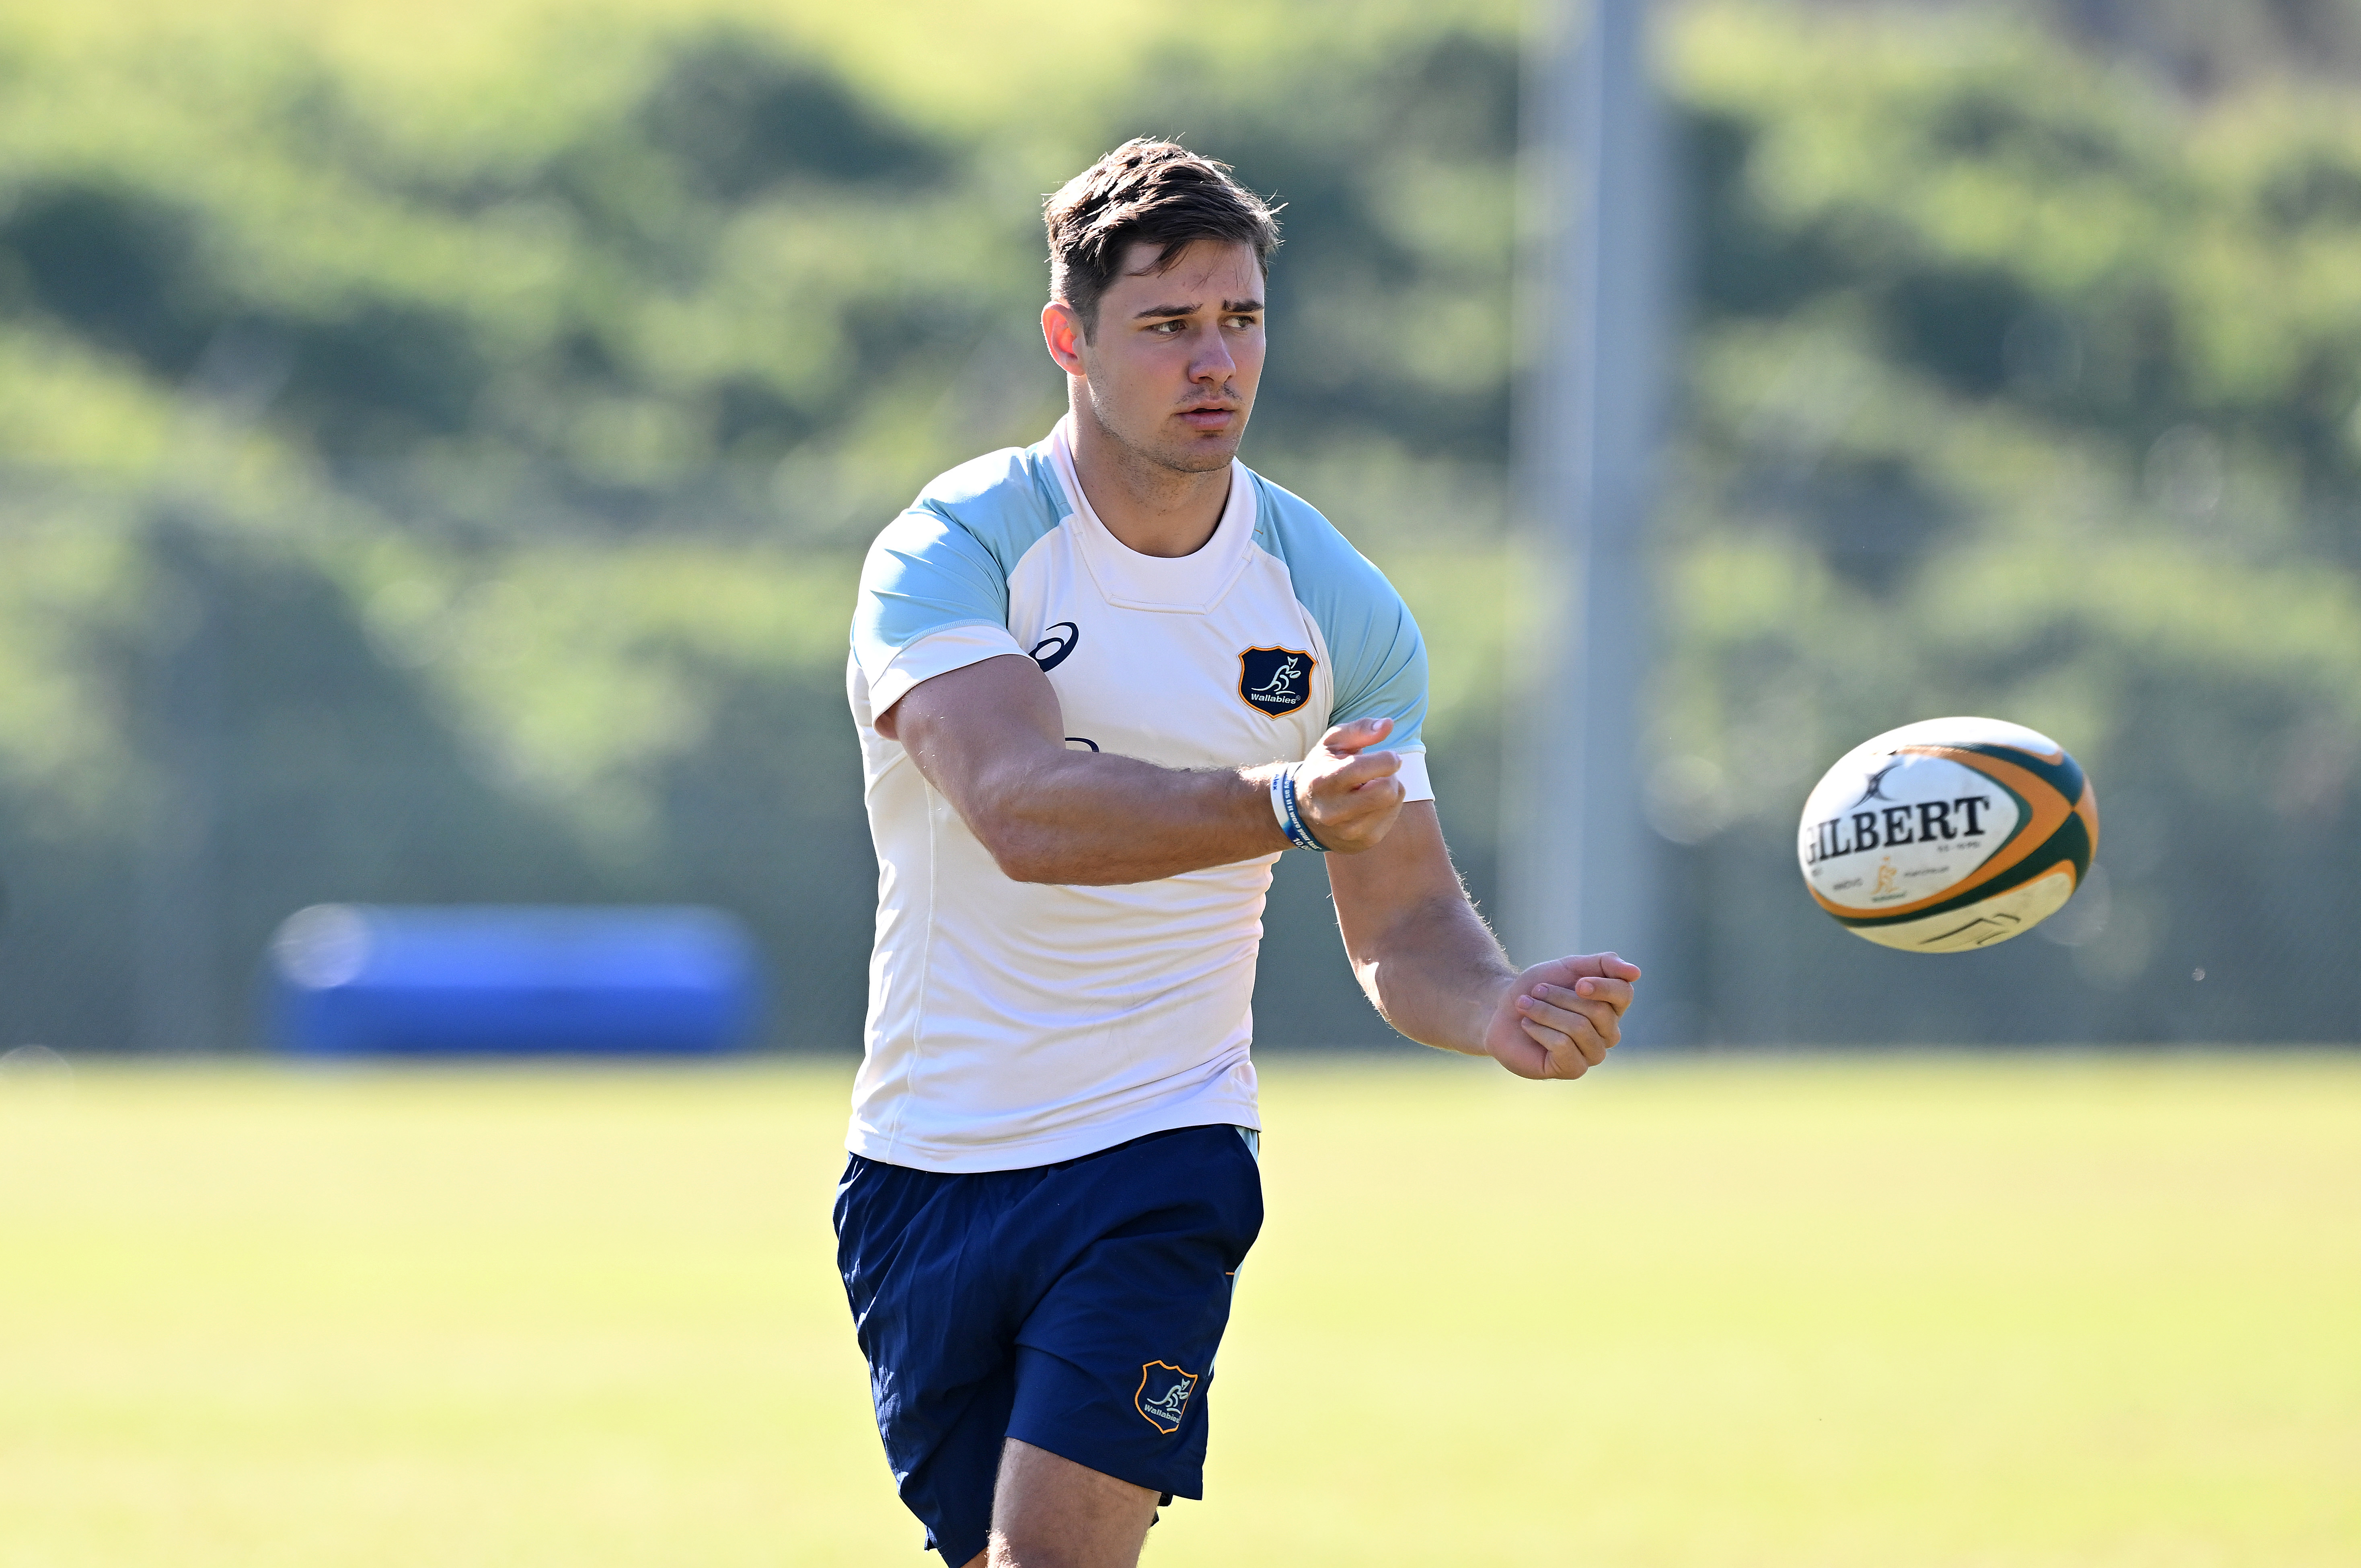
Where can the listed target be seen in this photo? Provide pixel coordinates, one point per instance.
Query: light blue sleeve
(934, 588)
(924, 574)
(1378, 660)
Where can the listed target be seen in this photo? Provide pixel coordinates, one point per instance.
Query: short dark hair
(1146, 190)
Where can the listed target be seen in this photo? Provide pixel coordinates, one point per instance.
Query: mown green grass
(1756, 1313)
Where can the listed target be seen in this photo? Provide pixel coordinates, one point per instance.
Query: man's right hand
(1348, 793)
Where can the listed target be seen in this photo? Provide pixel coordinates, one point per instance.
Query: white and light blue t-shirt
(1017, 1023)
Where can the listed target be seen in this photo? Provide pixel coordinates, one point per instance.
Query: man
(1102, 683)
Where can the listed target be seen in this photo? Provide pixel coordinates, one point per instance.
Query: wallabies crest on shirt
(1163, 1395)
(1276, 681)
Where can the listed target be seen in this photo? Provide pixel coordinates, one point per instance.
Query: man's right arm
(991, 736)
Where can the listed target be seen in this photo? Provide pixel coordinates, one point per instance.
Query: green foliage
(438, 456)
(470, 510)
(2021, 385)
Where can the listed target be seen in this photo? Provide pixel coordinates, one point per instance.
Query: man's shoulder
(1376, 656)
(1281, 513)
(1323, 562)
(995, 478)
(1006, 499)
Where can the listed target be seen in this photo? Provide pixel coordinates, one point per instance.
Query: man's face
(1171, 369)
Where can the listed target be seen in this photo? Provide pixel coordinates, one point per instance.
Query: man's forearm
(1087, 818)
(990, 737)
(1436, 974)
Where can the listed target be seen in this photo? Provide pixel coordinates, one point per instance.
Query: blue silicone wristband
(1290, 816)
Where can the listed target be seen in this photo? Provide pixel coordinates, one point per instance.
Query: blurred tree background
(438, 444)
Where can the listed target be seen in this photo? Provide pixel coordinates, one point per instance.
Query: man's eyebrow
(1229, 308)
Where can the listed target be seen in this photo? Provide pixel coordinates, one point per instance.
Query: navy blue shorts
(1076, 1306)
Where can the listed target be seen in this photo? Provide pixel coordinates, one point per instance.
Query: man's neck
(1150, 508)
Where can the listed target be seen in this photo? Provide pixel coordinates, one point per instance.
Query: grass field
(2088, 1311)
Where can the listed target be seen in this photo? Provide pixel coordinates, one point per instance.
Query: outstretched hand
(1560, 1018)
(1348, 793)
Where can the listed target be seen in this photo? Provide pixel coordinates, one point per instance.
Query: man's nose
(1211, 362)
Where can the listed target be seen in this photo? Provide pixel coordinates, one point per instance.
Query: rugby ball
(1948, 835)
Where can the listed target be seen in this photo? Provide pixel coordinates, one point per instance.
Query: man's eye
(1244, 323)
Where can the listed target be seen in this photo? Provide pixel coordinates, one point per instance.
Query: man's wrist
(1484, 1003)
(1288, 808)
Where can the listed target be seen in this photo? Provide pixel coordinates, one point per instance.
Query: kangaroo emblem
(1163, 1395)
(1282, 684)
(1275, 681)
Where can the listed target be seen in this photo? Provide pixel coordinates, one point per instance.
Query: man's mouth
(1208, 416)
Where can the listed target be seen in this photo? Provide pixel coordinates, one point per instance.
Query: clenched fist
(1348, 794)
(1561, 1018)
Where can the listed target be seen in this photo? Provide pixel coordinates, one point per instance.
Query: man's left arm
(1434, 971)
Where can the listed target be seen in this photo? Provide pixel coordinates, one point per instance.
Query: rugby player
(1102, 683)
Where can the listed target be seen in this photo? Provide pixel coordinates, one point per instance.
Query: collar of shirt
(1188, 585)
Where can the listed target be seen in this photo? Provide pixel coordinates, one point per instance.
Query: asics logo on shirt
(1059, 647)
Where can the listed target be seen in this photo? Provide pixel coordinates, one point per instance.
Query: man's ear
(1061, 331)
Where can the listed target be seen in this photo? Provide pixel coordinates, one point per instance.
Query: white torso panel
(1015, 1024)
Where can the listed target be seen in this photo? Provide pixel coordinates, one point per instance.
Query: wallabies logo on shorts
(1164, 1391)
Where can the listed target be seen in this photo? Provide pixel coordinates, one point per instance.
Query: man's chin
(1202, 454)
(1176, 448)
